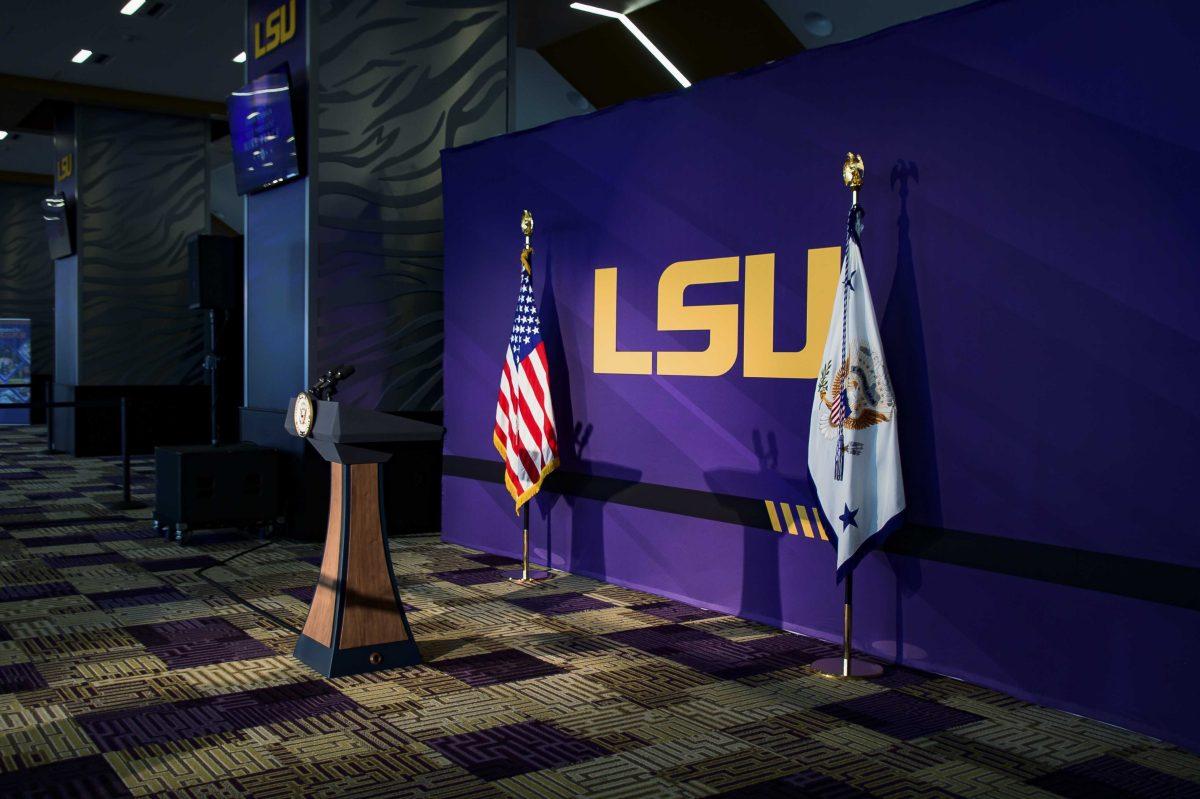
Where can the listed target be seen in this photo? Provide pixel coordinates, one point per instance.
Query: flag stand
(846, 667)
(525, 575)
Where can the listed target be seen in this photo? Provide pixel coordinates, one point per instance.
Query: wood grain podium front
(356, 621)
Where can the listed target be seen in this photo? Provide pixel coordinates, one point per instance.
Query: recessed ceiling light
(81, 56)
(818, 24)
(641, 37)
(131, 8)
(240, 58)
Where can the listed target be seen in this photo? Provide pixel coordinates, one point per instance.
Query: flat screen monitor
(56, 211)
(263, 133)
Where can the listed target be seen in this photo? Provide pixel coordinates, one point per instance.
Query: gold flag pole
(845, 667)
(526, 575)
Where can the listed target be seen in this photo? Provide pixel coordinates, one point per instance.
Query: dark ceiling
(179, 60)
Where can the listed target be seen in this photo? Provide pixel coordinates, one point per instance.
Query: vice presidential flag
(853, 450)
(524, 433)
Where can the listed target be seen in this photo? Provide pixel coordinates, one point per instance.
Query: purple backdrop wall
(1032, 247)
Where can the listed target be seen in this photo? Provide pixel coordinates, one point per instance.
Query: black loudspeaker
(230, 486)
(214, 272)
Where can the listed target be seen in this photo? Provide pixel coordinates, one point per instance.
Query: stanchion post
(128, 494)
(126, 502)
(49, 417)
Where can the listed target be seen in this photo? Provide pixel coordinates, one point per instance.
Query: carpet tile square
(720, 657)
(73, 561)
(17, 593)
(494, 668)
(513, 749)
(899, 715)
(676, 612)
(1117, 778)
(198, 642)
(808, 784)
(559, 604)
(189, 563)
(126, 672)
(80, 778)
(304, 594)
(20, 677)
(471, 576)
(132, 597)
(51, 540)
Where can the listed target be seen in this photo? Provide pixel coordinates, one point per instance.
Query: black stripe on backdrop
(1121, 575)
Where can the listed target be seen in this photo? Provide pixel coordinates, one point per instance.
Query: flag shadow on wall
(904, 340)
(570, 482)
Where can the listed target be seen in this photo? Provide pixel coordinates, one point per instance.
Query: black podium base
(342, 662)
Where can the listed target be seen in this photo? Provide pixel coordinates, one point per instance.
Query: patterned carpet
(124, 672)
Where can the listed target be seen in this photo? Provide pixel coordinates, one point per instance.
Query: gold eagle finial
(527, 223)
(852, 171)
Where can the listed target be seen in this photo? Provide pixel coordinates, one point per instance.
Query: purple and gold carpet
(123, 672)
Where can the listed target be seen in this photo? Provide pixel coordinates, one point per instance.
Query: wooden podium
(356, 621)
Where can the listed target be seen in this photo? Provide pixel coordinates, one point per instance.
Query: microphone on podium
(327, 385)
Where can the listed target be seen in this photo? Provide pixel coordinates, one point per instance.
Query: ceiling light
(3, 135)
(131, 8)
(240, 58)
(818, 24)
(641, 37)
(604, 12)
(81, 56)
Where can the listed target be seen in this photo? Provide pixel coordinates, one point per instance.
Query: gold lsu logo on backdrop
(65, 167)
(280, 26)
(759, 357)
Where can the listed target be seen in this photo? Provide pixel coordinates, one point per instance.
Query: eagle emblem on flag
(859, 395)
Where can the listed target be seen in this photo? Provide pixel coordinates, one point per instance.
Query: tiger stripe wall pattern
(142, 193)
(397, 81)
(26, 271)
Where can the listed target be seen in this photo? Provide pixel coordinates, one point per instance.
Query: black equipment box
(236, 485)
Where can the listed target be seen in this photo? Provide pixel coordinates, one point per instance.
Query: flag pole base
(846, 667)
(526, 575)
(532, 576)
(835, 669)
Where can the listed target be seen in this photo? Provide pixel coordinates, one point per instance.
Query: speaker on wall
(214, 272)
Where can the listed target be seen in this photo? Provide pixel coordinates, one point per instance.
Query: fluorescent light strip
(240, 58)
(641, 37)
(81, 56)
(131, 8)
(604, 12)
(260, 91)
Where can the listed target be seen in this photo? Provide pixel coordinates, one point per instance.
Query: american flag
(524, 434)
(837, 414)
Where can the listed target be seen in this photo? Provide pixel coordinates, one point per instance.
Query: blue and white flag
(853, 449)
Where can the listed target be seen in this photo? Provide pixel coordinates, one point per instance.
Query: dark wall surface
(26, 271)
(1031, 242)
(143, 191)
(397, 81)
